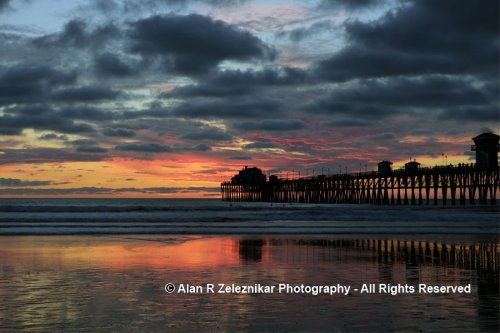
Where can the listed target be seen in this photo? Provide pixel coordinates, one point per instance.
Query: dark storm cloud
(358, 62)
(108, 64)
(421, 92)
(486, 130)
(13, 182)
(41, 117)
(346, 122)
(207, 90)
(10, 131)
(382, 137)
(104, 5)
(377, 98)
(29, 110)
(202, 147)
(27, 83)
(451, 17)
(76, 33)
(52, 136)
(85, 113)
(45, 155)
(88, 146)
(230, 108)
(85, 94)
(83, 142)
(194, 43)
(272, 125)
(118, 132)
(299, 34)
(144, 147)
(421, 63)
(236, 82)
(267, 77)
(330, 106)
(421, 132)
(211, 134)
(44, 117)
(91, 149)
(240, 158)
(445, 37)
(260, 145)
(4, 4)
(468, 114)
(7, 4)
(154, 110)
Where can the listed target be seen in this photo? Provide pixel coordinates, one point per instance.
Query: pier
(463, 184)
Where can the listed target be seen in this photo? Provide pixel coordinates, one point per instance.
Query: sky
(167, 98)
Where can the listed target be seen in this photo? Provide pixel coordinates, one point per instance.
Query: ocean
(204, 216)
(103, 265)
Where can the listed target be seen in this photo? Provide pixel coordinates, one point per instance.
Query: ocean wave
(117, 209)
(142, 215)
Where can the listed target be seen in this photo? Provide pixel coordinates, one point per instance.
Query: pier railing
(463, 184)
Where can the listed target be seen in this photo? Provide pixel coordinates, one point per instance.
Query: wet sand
(116, 283)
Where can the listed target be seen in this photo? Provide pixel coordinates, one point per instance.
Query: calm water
(116, 283)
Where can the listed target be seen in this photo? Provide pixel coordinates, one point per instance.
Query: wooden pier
(462, 184)
(465, 184)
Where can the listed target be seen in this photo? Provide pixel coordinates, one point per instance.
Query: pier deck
(462, 185)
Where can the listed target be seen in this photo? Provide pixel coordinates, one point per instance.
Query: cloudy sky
(168, 97)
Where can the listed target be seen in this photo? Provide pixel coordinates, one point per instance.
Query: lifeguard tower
(486, 148)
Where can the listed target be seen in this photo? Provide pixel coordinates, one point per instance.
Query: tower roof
(487, 135)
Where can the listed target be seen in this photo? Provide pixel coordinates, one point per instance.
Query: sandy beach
(117, 283)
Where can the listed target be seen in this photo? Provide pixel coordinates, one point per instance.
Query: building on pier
(249, 176)
(486, 148)
(412, 166)
(273, 179)
(384, 168)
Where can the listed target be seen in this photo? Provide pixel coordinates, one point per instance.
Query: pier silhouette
(462, 184)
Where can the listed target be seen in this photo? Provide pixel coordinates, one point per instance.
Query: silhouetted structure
(273, 179)
(413, 185)
(486, 148)
(412, 166)
(249, 176)
(385, 168)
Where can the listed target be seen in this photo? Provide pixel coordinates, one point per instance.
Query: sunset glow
(168, 99)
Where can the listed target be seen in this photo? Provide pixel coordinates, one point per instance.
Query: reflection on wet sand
(116, 284)
(251, 249)
(477, 256)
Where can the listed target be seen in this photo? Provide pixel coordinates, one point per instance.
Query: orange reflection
(124, 252)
